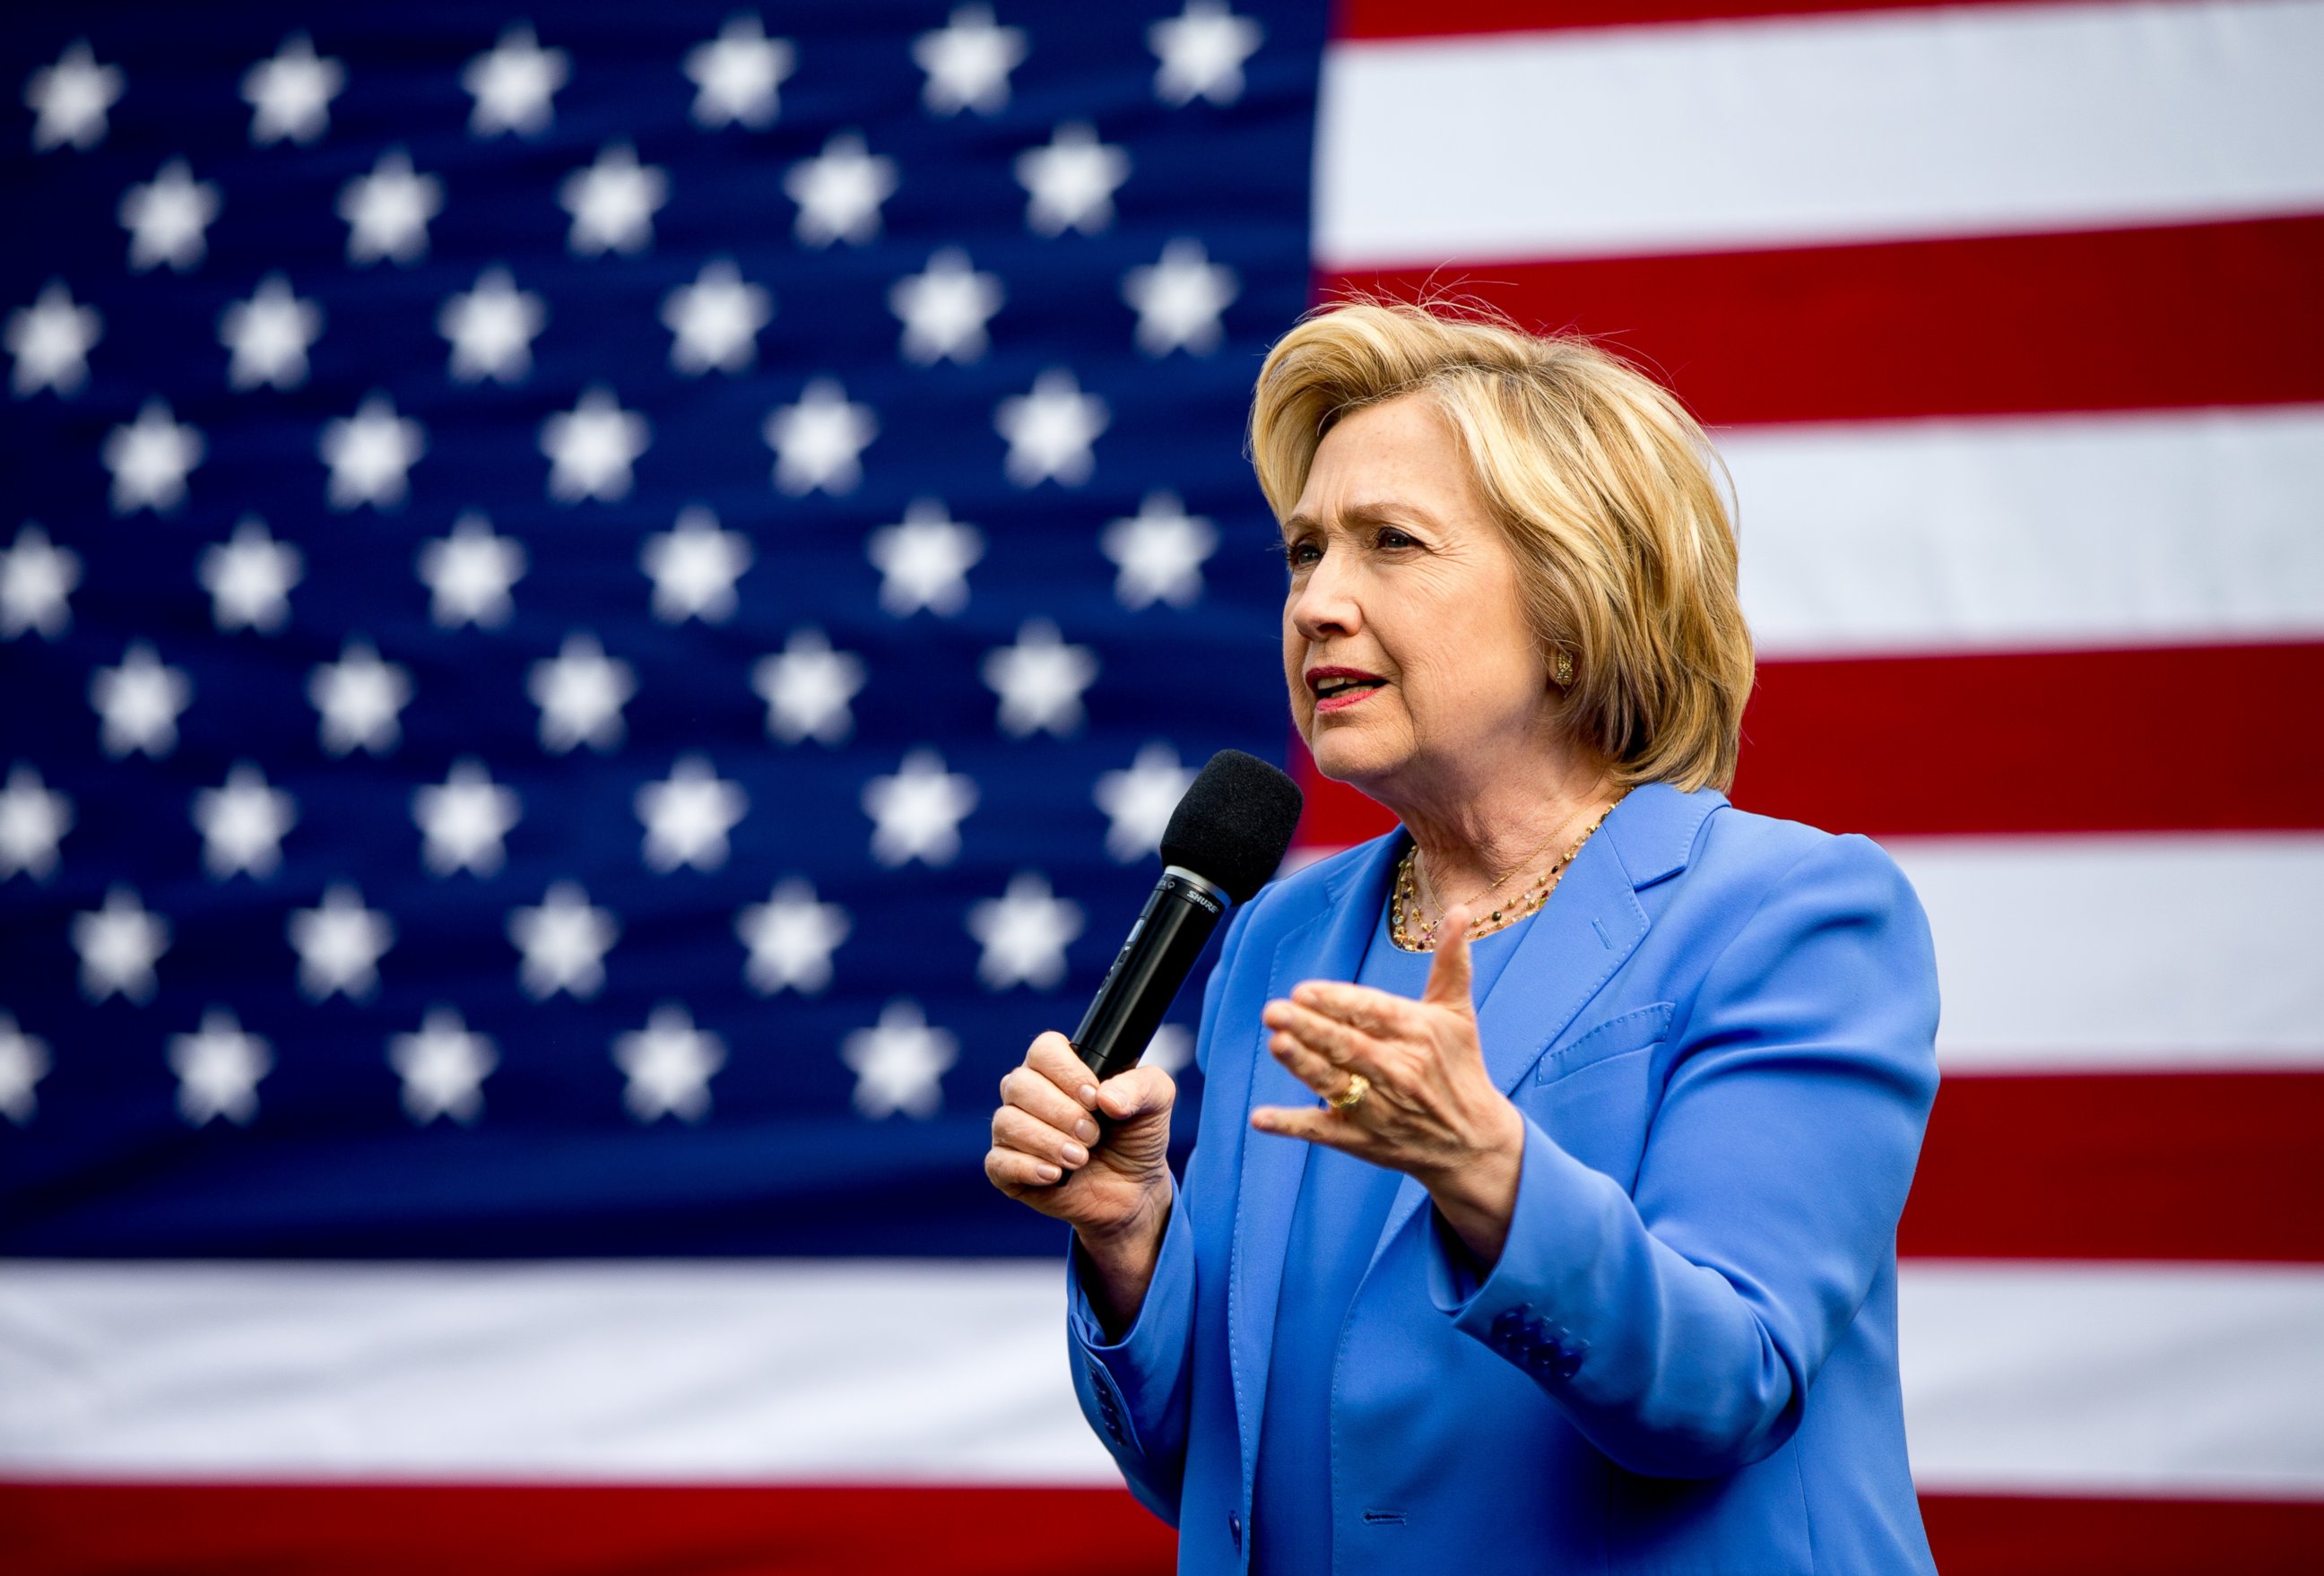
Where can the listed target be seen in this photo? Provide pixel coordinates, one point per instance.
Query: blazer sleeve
(1133, 1390)
(1680, 1328)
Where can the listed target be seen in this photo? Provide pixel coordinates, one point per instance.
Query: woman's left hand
(1431, 1109)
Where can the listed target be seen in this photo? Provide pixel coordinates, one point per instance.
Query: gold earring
(1561, 670)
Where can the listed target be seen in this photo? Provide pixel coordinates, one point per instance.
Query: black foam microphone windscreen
(1227, 837)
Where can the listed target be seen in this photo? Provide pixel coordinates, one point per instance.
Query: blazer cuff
(1525, 1308)
(1144, 1364)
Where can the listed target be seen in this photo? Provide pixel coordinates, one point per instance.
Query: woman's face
(1406, 644)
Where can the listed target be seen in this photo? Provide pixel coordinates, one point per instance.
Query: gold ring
(1351, 1097)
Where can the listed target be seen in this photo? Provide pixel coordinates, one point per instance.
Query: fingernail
(1075, 1154)
(1045, 1173)
(1089, 1095)
(1085, 1130)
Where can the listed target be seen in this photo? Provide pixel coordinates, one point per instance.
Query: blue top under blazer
(1720, 1032)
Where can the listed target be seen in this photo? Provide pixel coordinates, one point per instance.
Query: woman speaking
(1544, 1213)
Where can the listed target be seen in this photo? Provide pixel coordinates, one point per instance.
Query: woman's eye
(1300, 555)
(1391, 537)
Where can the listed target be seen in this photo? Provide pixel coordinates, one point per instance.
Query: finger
(1011, 1169)
(1450, 979)
(1141, 1092)
(1033, 1093)
(1326, 1038)
(1013, 1129)
(1328, 1080)
(1053, 1056)
(1359, 1007)
(1317, 1126)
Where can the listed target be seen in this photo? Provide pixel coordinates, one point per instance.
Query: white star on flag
(1039, 681)
(1072, 180)
(791, 936)
(242, 823)
(387, 211)
(137, 704)
(249, 577)
(24, 1062)
(463, 819)
(580, 692)
(968, 61)
(219, 1069)
(819, 442)
(33, 819)
(807, 687)
(839, 192)
(1178, 300)
(149, 459)
(339, 944)
(70, 101)
(119, 944)
(564, 943)
(469, 572)
(358, 700)
(1138, 801)
(899, 1062)
(370, 455)
(694, 565)
(924, 560)
(442, 1068)
(917, 813)
(715, 321)
(1203, 49)
(1050, 430)
(491, 328)
(513, 84)
(687, 816)
(37, 578)
(169, 218)
(1159, 553)
(944, 309)
(1024, 933)
(290, 95)
(613, 202)
(1171, 1049)
(270, 335)
(668, 1063)
(51, 341)
(737, 76)
(592, 446)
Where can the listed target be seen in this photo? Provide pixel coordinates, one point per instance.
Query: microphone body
(1146, 975)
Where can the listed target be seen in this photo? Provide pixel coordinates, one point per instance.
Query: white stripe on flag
(2031, 1376)
(2057, 954)
(1915, 123)
(2021, 533)
(2115, 1380)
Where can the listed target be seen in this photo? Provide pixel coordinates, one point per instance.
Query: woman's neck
(1501, 825)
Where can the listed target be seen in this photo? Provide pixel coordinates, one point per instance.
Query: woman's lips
(1345, 698)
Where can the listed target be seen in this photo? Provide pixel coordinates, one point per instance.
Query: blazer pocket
(1618, 1035)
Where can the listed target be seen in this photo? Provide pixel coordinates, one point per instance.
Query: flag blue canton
(601, 616)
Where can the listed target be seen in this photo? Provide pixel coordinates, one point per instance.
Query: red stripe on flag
(2108, 320)
(2167, 739)
(378, 1530)
(1394, 19)
(2165, 1165)
(2008, 1536)
(80, 1529)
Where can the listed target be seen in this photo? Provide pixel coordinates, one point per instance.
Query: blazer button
(1234, 1528)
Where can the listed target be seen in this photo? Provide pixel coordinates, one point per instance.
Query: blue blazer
(1721, 1033)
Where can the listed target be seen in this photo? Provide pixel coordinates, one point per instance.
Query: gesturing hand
(1431, 1110)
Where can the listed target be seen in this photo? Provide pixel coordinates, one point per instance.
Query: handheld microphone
(1227, 837)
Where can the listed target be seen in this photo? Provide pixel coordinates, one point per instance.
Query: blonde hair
(1605, 488)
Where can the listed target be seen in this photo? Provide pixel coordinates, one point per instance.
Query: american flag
(603, 606)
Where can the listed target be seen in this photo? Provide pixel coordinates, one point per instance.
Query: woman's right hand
(1095, 1156)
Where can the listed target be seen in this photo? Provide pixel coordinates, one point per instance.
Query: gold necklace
(1410, 929)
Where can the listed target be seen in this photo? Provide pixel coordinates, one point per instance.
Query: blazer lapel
(1586, 930)
(1330, 945)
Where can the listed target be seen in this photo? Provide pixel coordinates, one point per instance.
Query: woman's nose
(1325, 604)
